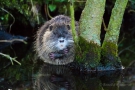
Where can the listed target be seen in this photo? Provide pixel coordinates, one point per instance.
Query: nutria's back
(54, 42)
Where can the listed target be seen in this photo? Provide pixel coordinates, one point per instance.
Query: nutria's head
(54, 37)
(59, 37)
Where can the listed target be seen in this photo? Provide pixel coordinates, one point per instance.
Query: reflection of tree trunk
(110, 47)
(90, 25)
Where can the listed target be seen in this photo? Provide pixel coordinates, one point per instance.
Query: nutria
(54, 42)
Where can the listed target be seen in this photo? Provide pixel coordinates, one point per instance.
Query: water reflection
(128, 79)
(51, 77)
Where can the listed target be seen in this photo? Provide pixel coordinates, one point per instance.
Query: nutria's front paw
(55, 55)
(66, 50)
(52, 55)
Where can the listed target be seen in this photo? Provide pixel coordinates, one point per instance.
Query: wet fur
(45, 40)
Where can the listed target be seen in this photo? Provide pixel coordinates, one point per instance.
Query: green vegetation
(89, 54)
(23, 17)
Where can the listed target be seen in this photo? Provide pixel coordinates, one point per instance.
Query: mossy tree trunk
(90, 25)
(109, 46)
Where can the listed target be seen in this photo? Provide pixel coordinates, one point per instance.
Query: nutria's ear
(68, 26)
(50, 27)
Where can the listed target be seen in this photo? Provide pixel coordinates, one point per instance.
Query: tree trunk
(109, 46)
(90, 25)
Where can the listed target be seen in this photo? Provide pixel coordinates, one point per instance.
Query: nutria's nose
(61, 41)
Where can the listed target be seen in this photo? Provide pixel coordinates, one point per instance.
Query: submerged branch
(10, 58)
(13, 40)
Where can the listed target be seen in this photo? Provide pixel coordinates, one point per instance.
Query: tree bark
(109, 46)
(90, 25)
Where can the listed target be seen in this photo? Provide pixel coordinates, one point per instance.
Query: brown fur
(43, 41)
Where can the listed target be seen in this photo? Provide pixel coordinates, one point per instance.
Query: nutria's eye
(68, 26)
(51, 27)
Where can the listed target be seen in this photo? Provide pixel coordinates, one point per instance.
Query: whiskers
(70, 40)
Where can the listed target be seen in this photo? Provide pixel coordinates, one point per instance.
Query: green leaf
(60, 0)
(46, 1)
(2, 18)
(52, 7)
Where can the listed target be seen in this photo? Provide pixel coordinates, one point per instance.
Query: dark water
(52, 77)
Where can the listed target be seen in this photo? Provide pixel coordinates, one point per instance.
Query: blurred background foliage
(24, 17)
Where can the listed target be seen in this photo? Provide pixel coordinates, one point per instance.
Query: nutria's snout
(62, 37)
(54, 42)
(62, 43)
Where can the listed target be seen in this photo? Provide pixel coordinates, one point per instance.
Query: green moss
(89, 54)
(110, 54)
(110, 48)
